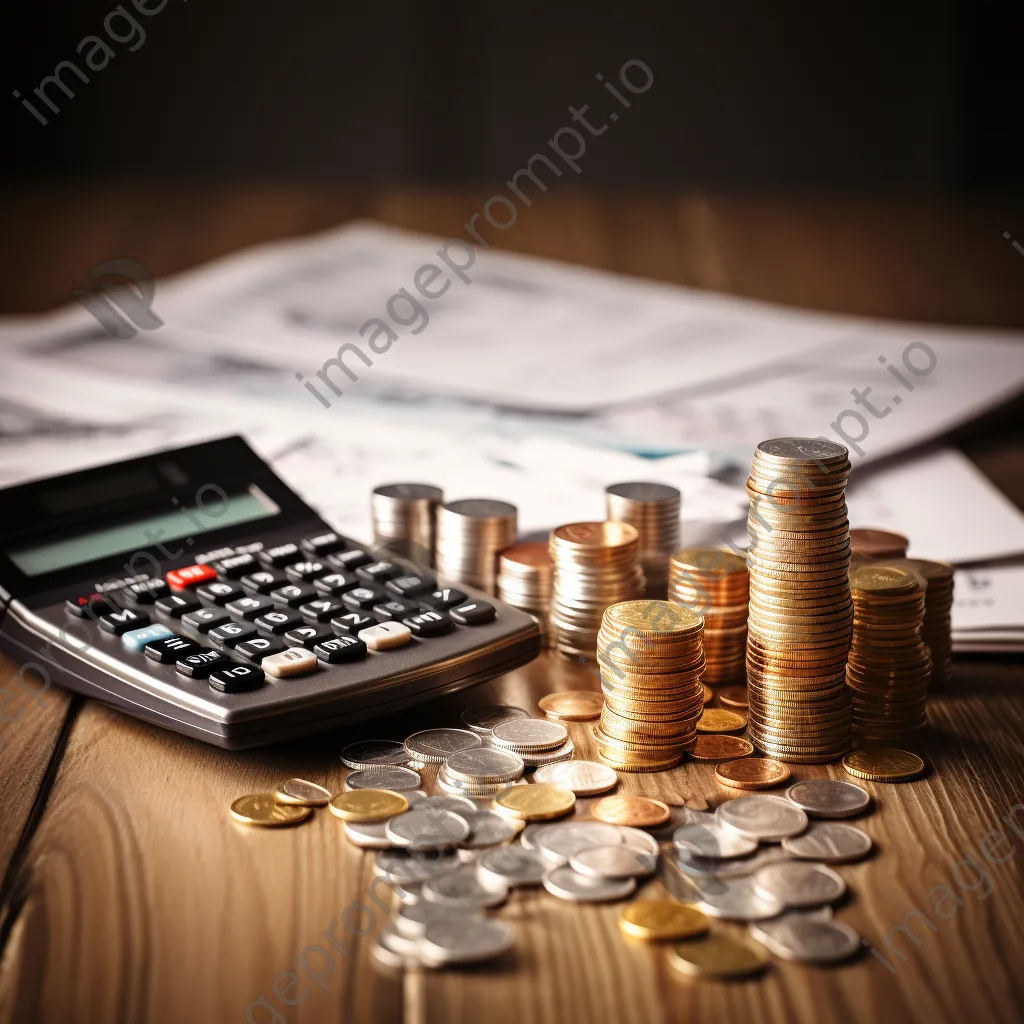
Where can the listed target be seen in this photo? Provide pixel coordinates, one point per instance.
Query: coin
(884, 764)
(829, 842)
(571, 885)
(512, 865)
(733, 696)
(414, 866)
(470, 534)
(529, 734)
(385, 776)
(392, 951)
(875, 544)
(752, 773)
(720, 720)
(483, 719)
(465, 940)
(584, 778)
(264, 810)
(434, 746)
(720, 747)
(464, 889)
(738, 900)
(484, 764)
(637, 839)
(658, 920)
(572, 705)
(368, 835)
(371, 752)
(536, 803)
(412, 918)
(429, 829)
(763, 817)
(713, 840)
(635, 811)
(826, 798)
(808, 939)
(302, 793)
(613, 862)
(798, 883)
(368, 805)
(460, 805)
(718, 956)
(487, 829)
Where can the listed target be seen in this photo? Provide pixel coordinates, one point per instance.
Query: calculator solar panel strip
(210, 518)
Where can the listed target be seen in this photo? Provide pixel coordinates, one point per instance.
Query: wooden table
(127, 893)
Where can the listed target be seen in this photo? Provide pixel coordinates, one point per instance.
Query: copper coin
(573, 705)
(733, 696)
(720, 747)
(878, 543)
(709, 695)
(752, 773)
(635, 811)
(720, 720)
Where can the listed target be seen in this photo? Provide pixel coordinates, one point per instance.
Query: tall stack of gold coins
(470, 534)
(651, 659)
(801, 613)
(654, 510)
(889, 666)
(596, 565)
(937, 580)
(403, 519)
(525, 573)
(715, 583)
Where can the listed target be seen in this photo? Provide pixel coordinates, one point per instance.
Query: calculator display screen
(214, 513)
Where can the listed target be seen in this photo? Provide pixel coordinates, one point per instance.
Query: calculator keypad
(175, 605)
(340, 649)
(235, 566)
(307, 636)
(134, 640)
(278, 621)
(293, 594)
(264, 581)
(324, 544)
(385, 636)
(170, 648)
(231, 634)
(200, 664)
(202, 620)
(323, 609)
(364, 597)
(146, 591)
(218, 592)
(249, 607)
(351, 623)
(122, 620)
(189, 576)
(292, 662)
(305, 572)
(258, 648)
(336, 583)
(280, 556)
(236, 679)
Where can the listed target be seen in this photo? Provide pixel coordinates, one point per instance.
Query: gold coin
(734, 696)
(636, 811)
(718, 956)
(720, 747)
(752, 773)
(662, 919)
(262, 809)
(720, 720)
(302, 793)
(536, 802)
(709, 694)
(883, 764)
(362, 805)
(654, 617)
(572, 705)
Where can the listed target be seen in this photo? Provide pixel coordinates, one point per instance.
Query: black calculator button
(146, 591)
(449, 597)
(234, 566)
(218, 592)
(351, 559)
(202, 620)
(118, 622)
(324, 544)
(365, 597)
(89, 606)
(278, 621)
(291, 595)
(279, 556)
(237, 678)
(411, 585)
(200, 664)
(396, 608)
(379, 572)
(263, 581)
(473, 613)
(339, 649)
(305, 572)
(249, 607)
(258, 648)
(307, 636)
(322, 609)
(432, 623)
(169, 649)
(336, 583)
(231, 634)
(351, 623)
(175, 605)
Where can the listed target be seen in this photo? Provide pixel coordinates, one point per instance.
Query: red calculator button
(189, 576)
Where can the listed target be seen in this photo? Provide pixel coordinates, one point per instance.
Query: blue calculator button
(138, 638)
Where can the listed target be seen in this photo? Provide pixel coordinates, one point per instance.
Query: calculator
(194, 589)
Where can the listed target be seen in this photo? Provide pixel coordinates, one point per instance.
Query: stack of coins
(889, 666)
(525, 572)
(877, 545)
(596, 565)
(801, 612)
(654, 510)
(403, 519)
(937, 580)
(470, 533)
(714, 583)
(651, 659)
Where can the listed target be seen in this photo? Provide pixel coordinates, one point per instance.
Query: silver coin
(713, 841)
(584, 778)
(738, 900)
(798, 883)
(613, 862)
(529, 836)
(391, 951)
(412, 919)
(457, 804)
(827, 798)
(488, 829)
(571, 885)
(560, 842)
(808, 939)
(370, 752)
(434, 746)
(529, 734)
(767, 818)
(538, 759)
(816, 913)
(464, 888)
(484, 719)
(708, 872)
(484, 764)
(482, 791)
(465, 940)
(803, 449)
(412, 867)
(637, 839)
(829, 842)
(512, 865)
(384, 776)
(370, 835)
(302, 793)
(427, 829)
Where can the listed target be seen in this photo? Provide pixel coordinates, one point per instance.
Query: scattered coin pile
(937, 580)
(801, 612)
(403, 519)
(525, 573)
(595, 566)
(654, 510)
(470, 534)
(715, 583)
(651, 660)
(877, 545)
(889, 668)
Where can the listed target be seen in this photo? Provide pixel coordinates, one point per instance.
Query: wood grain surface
(128, 894)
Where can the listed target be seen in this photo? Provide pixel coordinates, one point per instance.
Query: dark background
(921, 97)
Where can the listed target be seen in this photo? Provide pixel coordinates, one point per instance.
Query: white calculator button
(293, 662)
(385, 636)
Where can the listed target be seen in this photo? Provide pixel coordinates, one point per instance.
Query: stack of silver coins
(525, 573)
(596, 565)
(403, 520)
(653, 509)
(470, 534)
